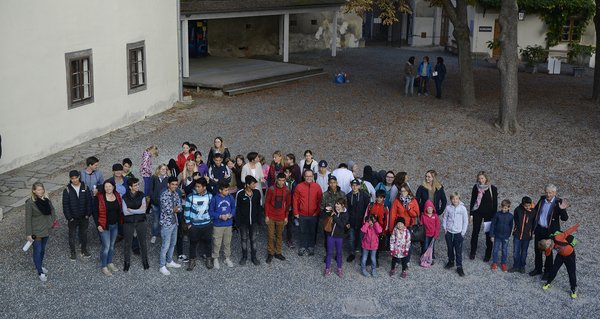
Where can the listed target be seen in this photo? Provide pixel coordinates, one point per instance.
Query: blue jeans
(147, 185)
(425, 246)
(308, 227)
(39, 249)
(168, 234)
(423, 85)
(497, 243)
(108, 238)
(454, 243)
(520, 253)
(354, 240)
(155, 220)
(363, 259)
(409, 85)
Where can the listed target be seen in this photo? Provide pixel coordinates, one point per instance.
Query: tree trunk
(458, 17)
(596, 89)
(508, 67)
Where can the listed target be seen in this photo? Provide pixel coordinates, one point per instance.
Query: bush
(534, 54)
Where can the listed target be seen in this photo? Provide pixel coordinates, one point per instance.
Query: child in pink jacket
(431, 220)
(370, 242)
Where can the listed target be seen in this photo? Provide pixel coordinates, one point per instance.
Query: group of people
(419, 76)
(371, 214)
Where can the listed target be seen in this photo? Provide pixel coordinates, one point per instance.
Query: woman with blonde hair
(40, 217)
(483, 207)
(433, 190)
(218, 147)
(146, 167)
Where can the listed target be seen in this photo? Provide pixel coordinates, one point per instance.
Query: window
(80, 80)
(136, 67)
(313, 22)
(568, 31)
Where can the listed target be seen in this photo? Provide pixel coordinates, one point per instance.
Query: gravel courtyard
(370, 122)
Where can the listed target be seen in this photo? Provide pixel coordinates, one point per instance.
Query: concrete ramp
(236, 75)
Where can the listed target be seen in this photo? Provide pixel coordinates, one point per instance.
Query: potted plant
(533, 55)
(579, 55)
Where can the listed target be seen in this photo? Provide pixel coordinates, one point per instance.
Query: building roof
(222, 6)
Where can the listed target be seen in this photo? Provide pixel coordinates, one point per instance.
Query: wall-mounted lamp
(521, 15)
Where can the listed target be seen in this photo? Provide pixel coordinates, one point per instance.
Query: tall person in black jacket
(484, 204)
(439, 73)
(358, 201)
(248, 212)
(77, 201)
(550, 210)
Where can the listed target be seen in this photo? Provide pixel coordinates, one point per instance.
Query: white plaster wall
(420, 25)
(35, 120)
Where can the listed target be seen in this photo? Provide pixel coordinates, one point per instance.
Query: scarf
(405, 200)
(480, 190)
(133, 201)
(43, 204)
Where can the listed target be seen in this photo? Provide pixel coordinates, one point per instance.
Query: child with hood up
(431, 220)
(370, 242)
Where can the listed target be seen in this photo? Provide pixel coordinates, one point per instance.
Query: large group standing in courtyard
(373, 214)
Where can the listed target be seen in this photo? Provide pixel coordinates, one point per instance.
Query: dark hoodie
(524, 221)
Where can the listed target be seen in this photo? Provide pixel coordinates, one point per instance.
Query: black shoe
(522, 270)
(535, 272)
(85, 254)
(73, 256)
(486, 259)
(280, 257)
(449, 265)
(460, 271)
(126, 267)
(350, 258)
(255, 261)
(513, 269)
(209, 263)
(311, 251)
(243, 261)
(136, 251)
(191, 265)
(472, 256)
(269, 259)
(146, 265)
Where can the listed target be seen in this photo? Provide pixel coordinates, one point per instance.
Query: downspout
(179, 52)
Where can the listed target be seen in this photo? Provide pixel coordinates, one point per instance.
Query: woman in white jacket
(309, 163)
(455, 223)
(254, 169)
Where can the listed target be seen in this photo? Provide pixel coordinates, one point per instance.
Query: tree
(458, 16)
(508, 67)
(596, 88)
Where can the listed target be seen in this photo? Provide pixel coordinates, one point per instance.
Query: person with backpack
(277, 205)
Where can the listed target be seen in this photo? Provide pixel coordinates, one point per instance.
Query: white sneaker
(44, 270)
(43, 277)
(163, 270)
(183, 259)
(216, 263)
(173, 264)
(153, 240)
(228, 262)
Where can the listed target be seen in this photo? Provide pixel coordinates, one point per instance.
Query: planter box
(578, 71)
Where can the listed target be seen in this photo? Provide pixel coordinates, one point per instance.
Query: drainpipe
(179, 51)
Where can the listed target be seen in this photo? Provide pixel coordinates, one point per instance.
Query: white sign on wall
(377, 20)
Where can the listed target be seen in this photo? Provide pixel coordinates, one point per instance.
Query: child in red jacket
(431, 220)
(370, 242)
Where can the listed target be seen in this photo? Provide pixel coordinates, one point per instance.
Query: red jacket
(409, 214)
(432, 224)
(181, 160)
(101, 221)
(382, 213)
(307, 199)
(283, 198)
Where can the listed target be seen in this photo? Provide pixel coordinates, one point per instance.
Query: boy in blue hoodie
(500, 231)
(222, 212)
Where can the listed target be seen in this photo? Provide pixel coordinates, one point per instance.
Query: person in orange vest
(563, 243)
